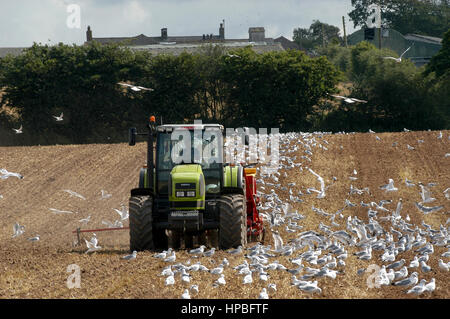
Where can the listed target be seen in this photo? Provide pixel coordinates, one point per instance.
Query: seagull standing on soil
(130, 257)
(19, 230)
(185, 294)
(72, 193)
(35, 238)
(412, 280)
(263, 294)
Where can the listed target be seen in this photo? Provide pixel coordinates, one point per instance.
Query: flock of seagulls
(385, 237)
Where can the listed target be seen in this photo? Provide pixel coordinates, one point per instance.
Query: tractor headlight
(190, 194)
(180, 194)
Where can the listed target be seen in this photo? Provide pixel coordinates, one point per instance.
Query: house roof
(423, 38)
(287, 44)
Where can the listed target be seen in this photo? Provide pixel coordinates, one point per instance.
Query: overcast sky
(23, 22)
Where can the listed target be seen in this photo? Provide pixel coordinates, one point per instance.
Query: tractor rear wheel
(141, 223)
(232, 221)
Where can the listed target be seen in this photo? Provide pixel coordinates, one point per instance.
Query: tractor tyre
(232, 221)
(141, 223)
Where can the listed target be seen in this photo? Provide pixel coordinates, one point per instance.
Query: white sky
(23, 22)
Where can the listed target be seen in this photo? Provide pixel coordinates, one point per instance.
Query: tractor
(182, 196)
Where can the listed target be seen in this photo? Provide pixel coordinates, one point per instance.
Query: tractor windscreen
(185, 147)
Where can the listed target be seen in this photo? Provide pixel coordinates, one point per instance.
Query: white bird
(444, 266)
(135, 88)
(18, 230)
(59, 118)
(414, 263)
(412, 280)
(424, 266)
(72, 193)
(221, 280)
(6, 174)
(170, 280)
(86, 220)
(18, 130)
(57, 211)
(185, 277)
(398, 60)
(248, 279)
(447, 193)
(322, 184)
(419, 289)
(426, 194)
(217, 270)
(163, 254)
(92, 245)
(105, 195)
(233, 55)
(123, 212)
(349, 100)
(198, 250)
(427, 210)
(410, 147)
(236, 251)
(116, 224)
(389, 187)
(194, 288)
(171, 258)
(431, 286)
(167, 271)
(35, 238)
(278, 241)
(272, 287)
(210, 252)
(263, 294)
(130, 257)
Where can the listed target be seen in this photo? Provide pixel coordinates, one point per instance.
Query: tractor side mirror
(132, 136)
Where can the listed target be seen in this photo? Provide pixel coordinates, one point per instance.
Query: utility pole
(345, 31)
(323, 35)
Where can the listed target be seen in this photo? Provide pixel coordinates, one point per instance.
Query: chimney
(257, 34)
(89, 34)
(222, 31)
(164, 33)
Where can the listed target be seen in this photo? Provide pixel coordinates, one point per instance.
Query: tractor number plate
(189, 213)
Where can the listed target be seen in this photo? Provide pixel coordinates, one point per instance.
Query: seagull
(135, 87)
(57, 211)
(59, 118)
(171, 258)
(123, 213)
(412, 280)
(185, 294)
(431, 286)
(233, 56)
(170, 280)
(197, 250)
(163, 254)
(322, 184)
(72, 193)
(236, 251)
(86, 220)
(18, 130)
(409, 183)
(248, 279)
(210, 252)
(427, 210)
(221, 280)
(116, 224)
(410, 147)
(105, 195)
(389, 187)
(92, 245)
(424, 266)
(35, 238)
(278, 241)
(349, 100)
(425, 194)
(263, 294)
(6, 174)
(398, 60)
(130, 257)
(194, 288)
(444, 266)
(419, 289)
(18, 230)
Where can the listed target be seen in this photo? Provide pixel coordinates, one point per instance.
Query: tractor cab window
(206, 150)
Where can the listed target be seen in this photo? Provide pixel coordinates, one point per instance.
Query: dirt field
(38, 269)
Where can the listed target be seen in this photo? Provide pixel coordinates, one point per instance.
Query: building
(423, 48)
(175, 44)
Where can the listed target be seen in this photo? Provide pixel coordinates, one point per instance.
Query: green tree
(440, 63)
(427, 17)
(317, 34)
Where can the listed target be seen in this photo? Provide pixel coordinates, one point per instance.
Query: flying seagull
(92, 245)
(123, 213)
(398, 60)
(57, 211)
(349, 100)
(18, 130)
(59, 118)
(135, 87)
(105, 195)
(86, 220)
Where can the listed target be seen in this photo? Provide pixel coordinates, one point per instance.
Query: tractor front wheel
(141, 223)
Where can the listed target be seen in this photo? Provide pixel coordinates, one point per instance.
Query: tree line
(240, 88)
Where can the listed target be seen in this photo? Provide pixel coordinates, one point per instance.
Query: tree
(427, 17)
(440, 63)
(319, 33)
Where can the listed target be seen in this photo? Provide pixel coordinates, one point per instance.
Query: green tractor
(189, 198)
